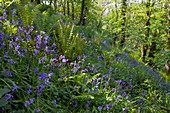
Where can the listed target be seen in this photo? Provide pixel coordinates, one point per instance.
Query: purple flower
(74, 70)
(39, 37)
(111, 104)
(40, 88)
(86, 80)
(75, 88)
(64, 60)
(120, 82)
(106, 106)
(61, 57)
(46, 81)
(11, 61)
(100, 108)
(14, 88)
(125, 109)
(2, 18)
(41, 60)
(28, 102)
(74, 103)
(35, 52)
(54, 102)
(37, 110)
(42, 76)
(8, 96)
(50, 74)
(87, 104)
(8, 73)
(29, 90)
(35, 70)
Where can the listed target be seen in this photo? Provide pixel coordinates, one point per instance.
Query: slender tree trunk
(168, 41)
(51, 2)
(82, 12)
(64, 7)
(68, 8)
(55, 5)
(145, 46)
(72, 4)
(124, 6)
(115, 36)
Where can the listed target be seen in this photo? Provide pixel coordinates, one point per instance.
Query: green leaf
(4, 91)
(3, 102)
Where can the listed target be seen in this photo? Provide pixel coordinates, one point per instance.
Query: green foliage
(68, 42)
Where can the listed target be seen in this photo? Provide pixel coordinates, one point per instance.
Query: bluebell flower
(35, 70)
(28, 102)
(8, 96)
(106, 106)
(14, 87)
(74, 70)
(40, 88)
(111, 104)
(10, 61)
(37, 110)
(54, 103)
(29, 90)
(75, 88)
(74, 103)
(87, 104)
(42, 76)
(35, 52)
(38, 38)
(86, 80)
(46, 81)
(100, 108)
(125, 109)
(41, 60)
(28, 37)
(20, 30)
(2, 18)
(8, 73)
(50, 74)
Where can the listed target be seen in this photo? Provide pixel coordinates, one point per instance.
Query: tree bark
(68, 8)
(145, 46)
(124, 6)
(82, 13)
(72, 4)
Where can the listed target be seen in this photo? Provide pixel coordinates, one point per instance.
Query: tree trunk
(82, 12)
(51, 2)
(64, 7)
(68, 8)
(168, 41)
(72, 4)
(124, 6)
(145, 46)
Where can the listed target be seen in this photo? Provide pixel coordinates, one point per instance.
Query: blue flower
(14, 88)
(42, 76)
(28, 102)
(87, 104)
(35, 70)
(37, 110)
(40, 88)
(29, 90)
(8, 96)
(100, 108)
(2, 18)
(75, 88)
(46, 81)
